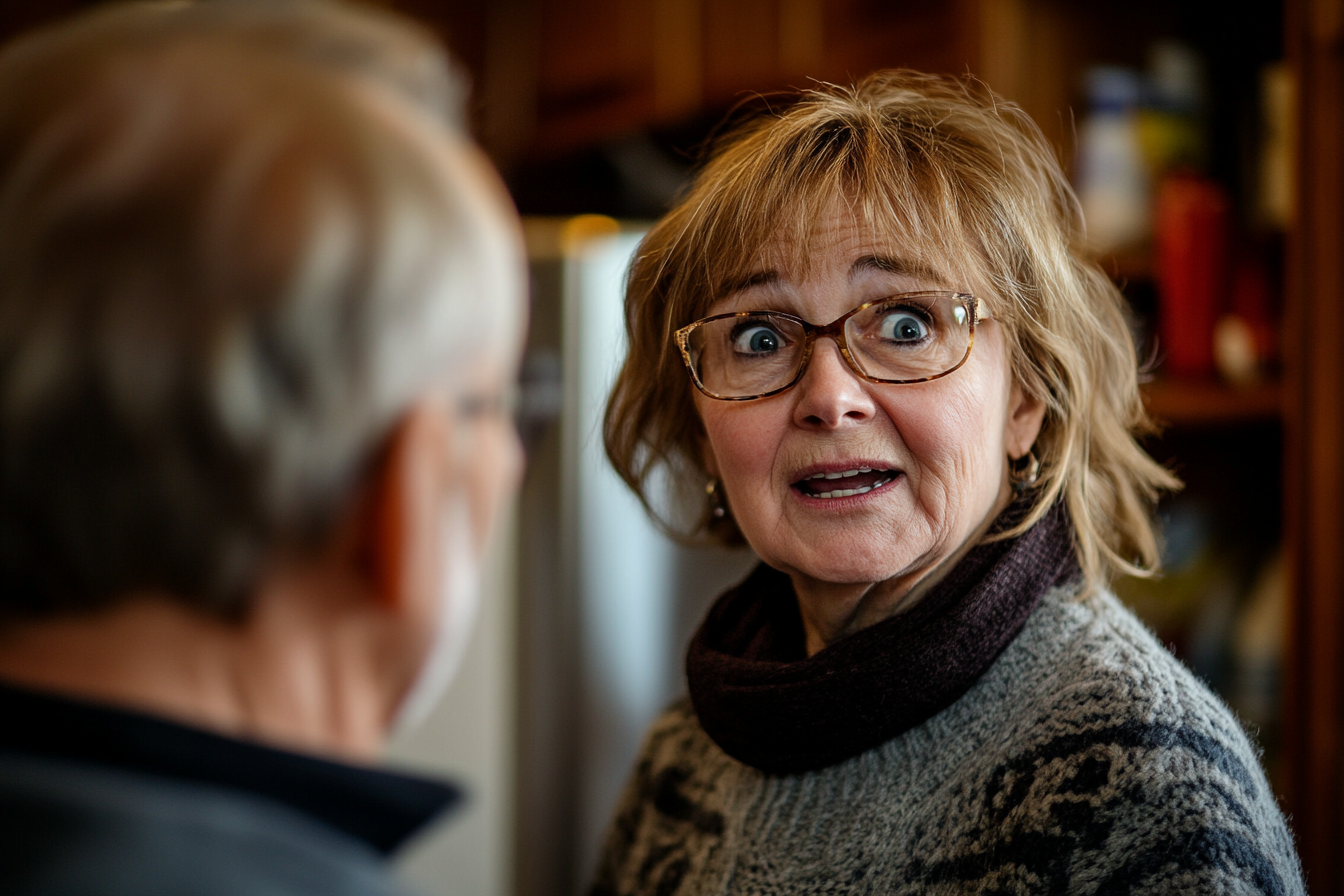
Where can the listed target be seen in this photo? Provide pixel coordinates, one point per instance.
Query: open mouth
(846, 484)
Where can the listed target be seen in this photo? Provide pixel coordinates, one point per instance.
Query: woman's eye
(756, 341)
(903, 326)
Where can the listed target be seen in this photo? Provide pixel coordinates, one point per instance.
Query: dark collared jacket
(97, 801)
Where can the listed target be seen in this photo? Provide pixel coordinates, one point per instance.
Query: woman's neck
(833, 611)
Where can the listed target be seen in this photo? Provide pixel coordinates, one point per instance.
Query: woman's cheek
(741, 443)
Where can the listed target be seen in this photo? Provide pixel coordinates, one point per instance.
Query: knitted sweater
(1086, 760)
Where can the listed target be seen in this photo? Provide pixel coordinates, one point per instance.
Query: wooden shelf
(1211, 402)
(1132, 265)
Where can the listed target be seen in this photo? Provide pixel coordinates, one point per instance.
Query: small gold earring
(1023, 472)
(716, 506)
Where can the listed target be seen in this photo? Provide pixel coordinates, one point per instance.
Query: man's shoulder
(80, 828)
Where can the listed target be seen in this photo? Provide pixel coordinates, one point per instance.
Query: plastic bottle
(1112, 178)
(1193, 219)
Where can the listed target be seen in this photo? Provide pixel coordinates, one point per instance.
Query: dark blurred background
(1206, 141)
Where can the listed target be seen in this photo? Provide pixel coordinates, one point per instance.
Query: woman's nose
(830, 393)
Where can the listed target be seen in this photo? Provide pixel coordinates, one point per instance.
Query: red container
(1190, 233)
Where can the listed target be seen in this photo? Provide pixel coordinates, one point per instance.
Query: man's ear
(1026, 415)
(403, 511)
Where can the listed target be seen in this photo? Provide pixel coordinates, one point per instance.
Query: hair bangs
(779, 197)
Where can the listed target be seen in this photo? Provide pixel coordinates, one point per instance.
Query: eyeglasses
(908, 338)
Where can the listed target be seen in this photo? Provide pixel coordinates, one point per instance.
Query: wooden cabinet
(1314, 449)
(576, 73)
(1036, 62)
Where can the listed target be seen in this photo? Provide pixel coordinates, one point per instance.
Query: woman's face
(937, 451)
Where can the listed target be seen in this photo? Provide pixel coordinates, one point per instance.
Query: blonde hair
(962, 177)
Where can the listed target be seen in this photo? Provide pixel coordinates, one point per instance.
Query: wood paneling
(601, 69)
(741, 48)
(1314, 711)
(19, 15)
(863, 35)
(1212, 402)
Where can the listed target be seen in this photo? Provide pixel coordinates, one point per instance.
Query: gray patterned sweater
(1086, 760)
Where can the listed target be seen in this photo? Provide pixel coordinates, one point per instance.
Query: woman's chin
(842, 562)
(844, 540)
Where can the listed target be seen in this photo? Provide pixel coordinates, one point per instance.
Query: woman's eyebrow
(746, 281)
(908, 267)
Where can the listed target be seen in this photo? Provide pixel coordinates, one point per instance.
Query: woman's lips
(844, 483)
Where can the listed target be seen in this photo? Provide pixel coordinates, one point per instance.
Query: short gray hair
(237, 240)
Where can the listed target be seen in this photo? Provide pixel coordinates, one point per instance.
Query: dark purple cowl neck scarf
(768, 704)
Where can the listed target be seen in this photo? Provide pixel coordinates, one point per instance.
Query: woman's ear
(1026, 415)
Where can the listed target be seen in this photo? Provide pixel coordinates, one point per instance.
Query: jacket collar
(379, 807)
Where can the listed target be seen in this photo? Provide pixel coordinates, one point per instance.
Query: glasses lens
(911, 337)
(751, 354)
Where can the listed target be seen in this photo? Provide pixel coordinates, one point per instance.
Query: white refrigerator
(606, 603)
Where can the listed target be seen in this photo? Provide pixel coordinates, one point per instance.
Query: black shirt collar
(381, 808)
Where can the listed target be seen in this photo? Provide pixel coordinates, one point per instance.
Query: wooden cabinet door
(1314, 349)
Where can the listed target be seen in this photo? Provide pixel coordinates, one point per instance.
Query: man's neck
(272, 678)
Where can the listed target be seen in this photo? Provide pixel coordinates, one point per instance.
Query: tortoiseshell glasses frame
(965, 312)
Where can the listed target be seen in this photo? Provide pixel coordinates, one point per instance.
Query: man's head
(243, 249)
(237, 241)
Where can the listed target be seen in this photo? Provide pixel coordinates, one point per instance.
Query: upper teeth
(848, 492)
(841, 475)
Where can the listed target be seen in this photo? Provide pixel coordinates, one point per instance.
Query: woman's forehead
(845, 244)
